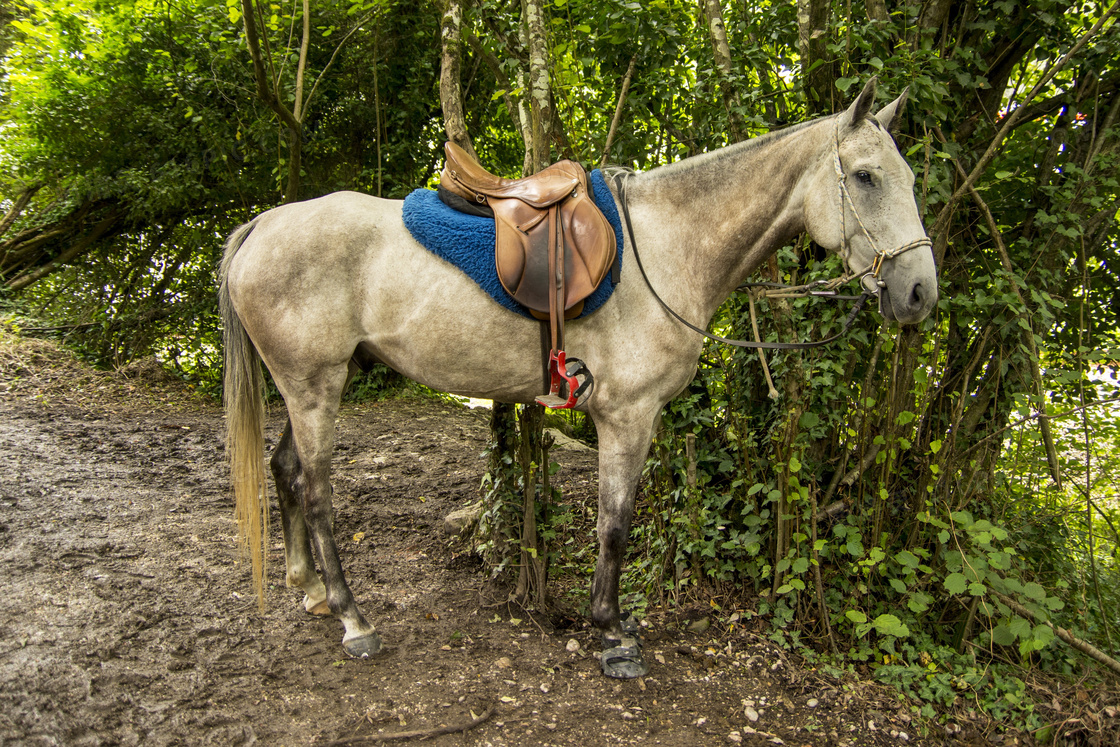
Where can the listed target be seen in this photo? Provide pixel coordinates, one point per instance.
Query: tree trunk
(877, 10)
(450, 88)
(812, 36)
(540, 85)
(721, 50)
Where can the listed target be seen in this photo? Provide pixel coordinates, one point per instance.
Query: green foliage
(904, 468)
(134, 129)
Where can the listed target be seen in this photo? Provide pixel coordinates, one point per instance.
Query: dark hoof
(629, 627)
(624, 662)
(364, 647)
(629, 624)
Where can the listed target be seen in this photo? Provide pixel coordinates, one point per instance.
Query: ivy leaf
(1002, 635)
(1020, 628)
(918, 603)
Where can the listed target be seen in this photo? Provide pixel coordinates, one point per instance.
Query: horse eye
(864, 177)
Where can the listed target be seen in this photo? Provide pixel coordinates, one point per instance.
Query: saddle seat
(553, 246)
(539, 190)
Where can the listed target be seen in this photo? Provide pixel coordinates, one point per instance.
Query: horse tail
(244, 406)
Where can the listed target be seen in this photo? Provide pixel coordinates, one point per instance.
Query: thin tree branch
(1036, 373)
(301, 66)
(1009, 122)
(503, 80)
(267, 94)
(77, 249)
(1083, 646)
(618, 110)
(417, 734)
(330, 62)
(18, 206)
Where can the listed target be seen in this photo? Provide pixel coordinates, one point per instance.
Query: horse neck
(705, 223)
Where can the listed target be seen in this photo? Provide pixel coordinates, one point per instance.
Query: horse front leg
(623, 445)
(312, 407)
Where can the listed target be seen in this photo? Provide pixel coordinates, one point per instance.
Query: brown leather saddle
(553, 248)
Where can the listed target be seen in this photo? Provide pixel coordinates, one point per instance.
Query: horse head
(861, 204)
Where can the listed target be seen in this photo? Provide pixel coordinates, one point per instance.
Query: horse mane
(704, 162)
(715, 161)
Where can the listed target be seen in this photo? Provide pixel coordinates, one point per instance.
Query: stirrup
(565, 372)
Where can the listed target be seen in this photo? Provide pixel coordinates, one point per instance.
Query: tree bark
(877, 10)
(540, 84)
(721, 51)
(812, 37)
(450, 87)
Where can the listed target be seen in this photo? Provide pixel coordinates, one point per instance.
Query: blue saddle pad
(467, 241)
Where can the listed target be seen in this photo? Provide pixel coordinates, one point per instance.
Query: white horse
(316, 288)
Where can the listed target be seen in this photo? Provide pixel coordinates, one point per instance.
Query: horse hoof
(624, 662)
(364, 646)
(316, 608)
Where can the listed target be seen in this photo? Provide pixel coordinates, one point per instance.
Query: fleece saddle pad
(467, 241)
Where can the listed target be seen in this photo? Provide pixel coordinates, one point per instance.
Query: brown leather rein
(819, 288)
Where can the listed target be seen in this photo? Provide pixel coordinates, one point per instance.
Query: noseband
(881, 255)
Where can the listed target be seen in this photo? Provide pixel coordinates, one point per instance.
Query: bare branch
(330, 62)
(18, 206)
(79, 247)
(267, 94)
(1016, 115)
(618, 110)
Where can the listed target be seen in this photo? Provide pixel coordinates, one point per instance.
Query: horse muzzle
(909, 301)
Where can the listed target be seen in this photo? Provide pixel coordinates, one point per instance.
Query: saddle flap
(522, 249)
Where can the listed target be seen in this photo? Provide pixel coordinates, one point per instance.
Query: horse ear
(861, 107)
(891, 114)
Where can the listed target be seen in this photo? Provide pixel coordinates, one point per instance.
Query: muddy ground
(126, 617)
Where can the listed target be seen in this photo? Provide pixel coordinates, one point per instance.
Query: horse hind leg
(298, 559)
(312, 407)
(297, 542)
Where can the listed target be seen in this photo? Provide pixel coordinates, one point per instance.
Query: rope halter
(872, 271)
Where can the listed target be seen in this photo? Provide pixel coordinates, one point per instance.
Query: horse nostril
(923, 296)
(918, 295)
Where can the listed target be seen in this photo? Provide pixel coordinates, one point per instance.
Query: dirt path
(126, 619)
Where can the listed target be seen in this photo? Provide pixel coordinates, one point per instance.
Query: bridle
(821, 288)
(881, 255)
